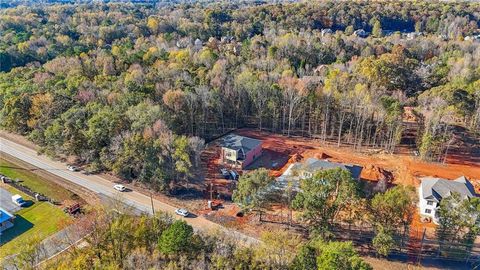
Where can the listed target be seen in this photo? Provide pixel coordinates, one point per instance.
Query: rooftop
(4, 215)
(313, 164)
(438, 188)
(237, 142)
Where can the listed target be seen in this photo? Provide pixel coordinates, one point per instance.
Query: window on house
(429, 202)
(428, 211)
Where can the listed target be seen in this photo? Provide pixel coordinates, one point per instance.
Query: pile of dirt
(476, 185)
(322, 155)
(375, 173)
(295, 158)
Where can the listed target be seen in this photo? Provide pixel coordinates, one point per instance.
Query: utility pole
(289, 191)
(151, 201)
(421, 248)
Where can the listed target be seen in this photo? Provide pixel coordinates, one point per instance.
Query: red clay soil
(280, 151)
(405, 169)
(417, 228)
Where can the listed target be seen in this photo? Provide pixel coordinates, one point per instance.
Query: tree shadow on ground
(184, 193)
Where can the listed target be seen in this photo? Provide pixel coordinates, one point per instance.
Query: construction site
(279, 152)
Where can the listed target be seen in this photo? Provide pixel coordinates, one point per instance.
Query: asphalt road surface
(104, 187)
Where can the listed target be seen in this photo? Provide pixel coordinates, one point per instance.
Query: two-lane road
(104, 187)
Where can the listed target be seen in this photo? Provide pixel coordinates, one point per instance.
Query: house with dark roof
(432, 190)
(312, 165)
(239, 150)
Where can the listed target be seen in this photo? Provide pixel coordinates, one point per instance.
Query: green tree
(349, 30)
(277, 249)
(377, 29)
(459, 224)
(15, 113)
(306, 259)
(393, 208)
(31, 252)
(181, 156)
(324, 196)
(250, 186)
(120, 238)
(176, 239)
(339, 255)
(103, 126)
(383, 242)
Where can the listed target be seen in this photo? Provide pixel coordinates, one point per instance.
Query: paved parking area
(6, 201)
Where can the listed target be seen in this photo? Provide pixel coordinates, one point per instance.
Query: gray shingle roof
(438, 188)
(313, 164)
(237, 142)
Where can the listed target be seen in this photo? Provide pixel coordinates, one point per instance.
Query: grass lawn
(40, 219)
(34, 182)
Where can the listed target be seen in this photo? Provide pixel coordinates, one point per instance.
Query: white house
(433, 190)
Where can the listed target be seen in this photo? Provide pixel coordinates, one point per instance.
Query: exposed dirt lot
(405, 169)
(280, 151)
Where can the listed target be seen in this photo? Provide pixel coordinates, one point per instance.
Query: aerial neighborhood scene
(237, 135)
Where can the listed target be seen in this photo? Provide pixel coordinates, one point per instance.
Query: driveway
(6, 201)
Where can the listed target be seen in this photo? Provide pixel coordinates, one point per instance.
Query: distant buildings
(360, 33)
(433, 190)
(473, 38)
(326, 31)
(412, 35)
(240, 151)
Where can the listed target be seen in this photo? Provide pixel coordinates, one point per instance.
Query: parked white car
(72, 168)
(182, 212)
(119, 187)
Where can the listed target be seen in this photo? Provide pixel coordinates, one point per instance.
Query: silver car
(120, 188)
(182, 212)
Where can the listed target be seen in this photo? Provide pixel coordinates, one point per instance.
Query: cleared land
(281, 151)
(400, 168)
(41, 219)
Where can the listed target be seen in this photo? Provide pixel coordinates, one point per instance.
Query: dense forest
(138, 89)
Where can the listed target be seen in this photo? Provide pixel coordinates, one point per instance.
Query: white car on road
(182, 212)
(72, 168)
(119, 187)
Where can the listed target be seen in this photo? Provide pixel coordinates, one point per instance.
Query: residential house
(308, 168)
(239, 150)
(433, 190)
